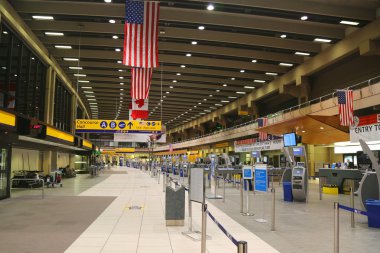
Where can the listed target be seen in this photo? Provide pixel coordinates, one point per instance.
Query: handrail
(369, 82)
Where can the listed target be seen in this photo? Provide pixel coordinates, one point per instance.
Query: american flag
(140, 83)
(346, 107)
(262, 122)
(141, 34)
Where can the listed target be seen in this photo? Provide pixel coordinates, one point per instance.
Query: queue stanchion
(242, 247)
(164, 180)
(224, 189)
(241, 196)
(352, 206)
(320, 188)
(336, 227)
(273, 224)
(204, 228)
(158, 176)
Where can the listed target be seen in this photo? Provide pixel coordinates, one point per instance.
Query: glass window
(62, 107)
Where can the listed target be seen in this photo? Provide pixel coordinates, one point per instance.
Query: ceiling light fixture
(80, 75)
(283, 36)
(250, 87)
(240, 92)
(304, 18)
(284, 64)
(242, 71)
(112, 21)
(271, 74)
(183, 66)
(322, 40)
(62, 47)
(70, 59)
(75, 68)
(259, 81)
(347, 22)
(115, 37)
(201, 27)
(225, 85)
(86, 87)
(117, 49)
(225, 101)
(302, 53)
(178, 74)
(188, 55)
(217, 90)
(210, 7)
(38, 17)
(194, 43)
(54, 34)
(254, 61)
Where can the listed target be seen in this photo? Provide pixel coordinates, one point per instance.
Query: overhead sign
(259, 146)
(367, 129)
(125, 150)
(7, 118)
(261, 177)
(116, 126)
(137, 137)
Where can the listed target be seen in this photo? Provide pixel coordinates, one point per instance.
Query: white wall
(25, 159)
(63, 160)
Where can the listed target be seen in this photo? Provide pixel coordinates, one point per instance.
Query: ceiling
(242, 45)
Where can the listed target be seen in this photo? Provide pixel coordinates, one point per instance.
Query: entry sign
(261, 178)
(247, 172)
(113, 126)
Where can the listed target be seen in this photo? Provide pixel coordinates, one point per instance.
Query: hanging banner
(116, 126)
(138, 137)
(367, 128)
(260, 146)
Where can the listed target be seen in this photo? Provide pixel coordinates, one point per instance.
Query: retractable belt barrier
(353, 210)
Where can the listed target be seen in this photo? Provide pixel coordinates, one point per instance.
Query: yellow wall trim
(8, 119)
(52, 132)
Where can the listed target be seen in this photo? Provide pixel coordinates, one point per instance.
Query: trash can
(287, 187)
(175, 206)
(373, 210)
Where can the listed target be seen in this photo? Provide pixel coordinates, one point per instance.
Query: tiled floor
(119, 229)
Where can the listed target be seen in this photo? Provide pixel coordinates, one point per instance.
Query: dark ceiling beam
(180, 47)
(182, 33)
(185, 15)
(188, 70)
(305, 7)
(175, 59)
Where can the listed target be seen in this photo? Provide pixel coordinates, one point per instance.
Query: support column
(74, 105)
(50, 161)
(72, 161)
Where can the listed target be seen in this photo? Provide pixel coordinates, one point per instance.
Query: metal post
(241, 196)
(224, 190)
(164, 181)
(204, 228)
(190, 215)
(158, 176)
(242, 247)
(352, 206)
(320, 188)
(336, 227)
(273, 209)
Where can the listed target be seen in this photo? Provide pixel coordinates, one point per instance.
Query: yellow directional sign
(113, 126)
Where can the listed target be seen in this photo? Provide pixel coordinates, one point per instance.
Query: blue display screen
(298, 151)
(290, 140)
(255, 153)
(247, 173)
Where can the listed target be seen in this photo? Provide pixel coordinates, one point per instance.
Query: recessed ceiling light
(233, 78)
(120, 70)
(112, 21)
(217, 90)
(254, 61)
(164, 96)
(162, 32)
(117, 49)
(190, 109)
(271, 74)
(54, 34)
(199, 103)
(108, 1)
(75, 68)
(225, 85)
(80, 75)
(259, 81)
(183, 66)
(195, 106)
(284, 64)
(86, 87)
(174, 81)
(115, 37)
(321, 128)
(168, 92)
(121, 77)
(90, 96)
(304, 18)
(91, 99)
(38, 17)
(240, 92)
(210, 95)
(62, 47)
(346, 22)
(70, 59)
(119, 62)
(249, 87)
(121, 89)
(201, 27)
(232, 97)
(171, 87)
(302, 53)
(178, 74)
(303, 131)
(242, 71)
(225, 101)
(5, 32)
(89, 92)
(210, 7)
(121, 83)
(83, 81)
(202, 113)
(283, 36)
(218, 105)
(194, 43)
(322, 40)
(188, 55)
(205, 99)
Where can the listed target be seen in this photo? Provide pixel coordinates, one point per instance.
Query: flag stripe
(140, 83)
(346, 107)
(262, 122)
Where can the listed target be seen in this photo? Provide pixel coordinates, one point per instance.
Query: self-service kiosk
(298, 172)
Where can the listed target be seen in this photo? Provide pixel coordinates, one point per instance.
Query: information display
(256, 154)
(261, 178)
(290, 140)
(116, 126)
(247, 172)
(298, 151)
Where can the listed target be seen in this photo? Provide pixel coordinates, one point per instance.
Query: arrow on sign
(130, 124)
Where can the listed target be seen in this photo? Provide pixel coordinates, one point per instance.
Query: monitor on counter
(290, 139)
(256, 154)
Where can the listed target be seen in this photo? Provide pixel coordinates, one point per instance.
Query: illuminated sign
(124, 150)
(116, 126)
(7, 119)
(87, 144)
(52, 132)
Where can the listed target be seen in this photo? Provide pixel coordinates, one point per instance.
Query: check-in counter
(337, 176)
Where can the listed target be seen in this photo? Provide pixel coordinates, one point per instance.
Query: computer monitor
(256, 154)
(298, 151)
(290, 140)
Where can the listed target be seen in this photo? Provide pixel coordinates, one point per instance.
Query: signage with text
(116, 126)
(261, 177)
(259, 146)
(367, 129)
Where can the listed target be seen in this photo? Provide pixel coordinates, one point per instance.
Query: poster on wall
(260, 146)
(367, 128)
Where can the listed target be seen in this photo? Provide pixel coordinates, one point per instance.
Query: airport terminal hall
(189, 126)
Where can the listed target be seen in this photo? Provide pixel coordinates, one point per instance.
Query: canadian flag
(140, 109)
